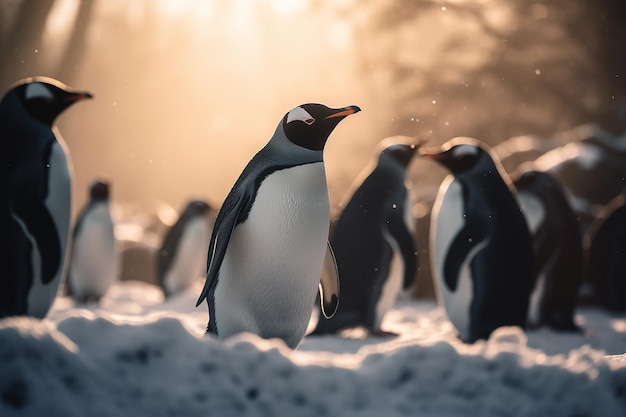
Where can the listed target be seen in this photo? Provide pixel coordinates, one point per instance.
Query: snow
(138, 355)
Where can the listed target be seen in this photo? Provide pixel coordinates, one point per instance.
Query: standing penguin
(269, 245)
(36, 189)
(557, 246)
(182, 256)
(605, 246)
(480, 243)
(373, 241)
(93, 257)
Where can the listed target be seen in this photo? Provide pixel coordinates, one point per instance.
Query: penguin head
(535, 181)
(527, 179)
(399, 150)
(461, 155)
(197, 208)
(309, 125)
(99, 191)
(45, 98)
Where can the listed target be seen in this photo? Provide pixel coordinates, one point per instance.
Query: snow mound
(97, 364)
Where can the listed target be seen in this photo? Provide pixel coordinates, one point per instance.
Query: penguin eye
(300, 114)
(36, 91)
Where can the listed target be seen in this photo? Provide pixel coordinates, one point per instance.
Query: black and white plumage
(481, 246)
(374, 244)
(269, 245)
(557, 246)
(181, 260)
(36, 190)
(94, 257)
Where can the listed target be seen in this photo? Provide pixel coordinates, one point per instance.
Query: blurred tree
(21, 41)
(494, 68)
(75, 49)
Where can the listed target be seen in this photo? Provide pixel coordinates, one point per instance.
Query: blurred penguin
(605, 245)
(557, 245)
(94, 256)
(36, 195)
(181, 260)
(591, 167)
(374, 242)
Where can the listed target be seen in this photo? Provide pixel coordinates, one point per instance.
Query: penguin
(480, 243)
(36, 188)
(591, 167)
(182, 255)
(269, 245)
(374, 244)
(557, 247)
(94, 257)
(605, 251)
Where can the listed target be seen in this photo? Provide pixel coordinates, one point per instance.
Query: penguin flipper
(38, 221)
(399, 232)
(329, 284)
(225, 223)
(469, 239)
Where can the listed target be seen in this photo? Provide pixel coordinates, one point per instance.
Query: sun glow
(286, 6)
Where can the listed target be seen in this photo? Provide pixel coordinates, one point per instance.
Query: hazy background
(186, 91)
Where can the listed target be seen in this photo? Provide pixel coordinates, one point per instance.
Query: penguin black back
(605, 246)
(371, 226)
(557, 245)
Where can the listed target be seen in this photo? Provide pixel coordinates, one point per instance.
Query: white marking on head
(298, 113)
(460, 151)
(38, 90)
(533, 210)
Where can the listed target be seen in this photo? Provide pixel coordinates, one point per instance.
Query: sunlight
(58, 26)
(619, 326)
(185, 8)
(287, 6)
(62, 14)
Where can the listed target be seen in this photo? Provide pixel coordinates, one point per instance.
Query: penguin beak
(346, 111)
(431, 153)
(78, 96)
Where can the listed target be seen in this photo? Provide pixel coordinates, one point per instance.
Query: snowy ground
(137, 355)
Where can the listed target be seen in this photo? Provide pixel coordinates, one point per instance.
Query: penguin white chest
(447, 220)
(272, 267)
(535, 214)
(58, 204)
(94, 261)
(58, 200)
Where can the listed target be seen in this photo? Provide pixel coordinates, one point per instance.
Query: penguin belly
(270, 274)
(447, 220)
(190, 257)
(93, 265)
(58, 203)
(391, 286)
(535, 214)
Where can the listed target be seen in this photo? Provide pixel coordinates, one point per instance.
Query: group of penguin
(499, 247)
(37, 183)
